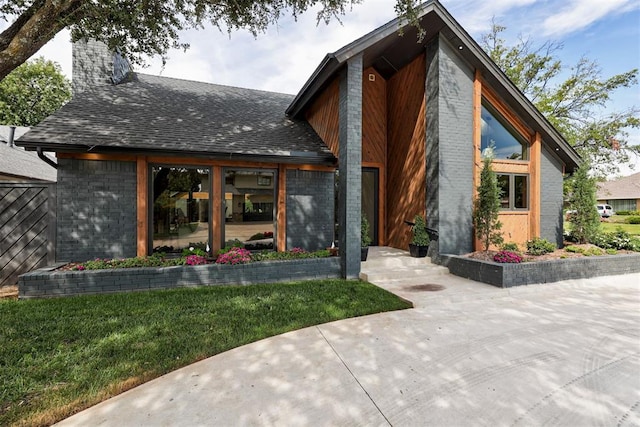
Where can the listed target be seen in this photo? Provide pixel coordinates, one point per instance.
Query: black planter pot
(364, 252)
(418, 251)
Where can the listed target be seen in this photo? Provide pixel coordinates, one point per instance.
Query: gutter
(46, 159)
(12, 134)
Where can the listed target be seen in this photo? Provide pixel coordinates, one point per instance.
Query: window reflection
(499, 138)
(180, 214)
(249, 208)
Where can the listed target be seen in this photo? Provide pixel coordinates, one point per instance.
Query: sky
(284, 57)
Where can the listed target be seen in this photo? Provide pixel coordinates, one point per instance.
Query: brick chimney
(95, 65)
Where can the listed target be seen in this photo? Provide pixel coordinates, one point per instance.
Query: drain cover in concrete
(426, 288)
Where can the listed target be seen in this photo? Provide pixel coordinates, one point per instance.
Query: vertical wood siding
(323, 115)
(374, 118)
(406, 163)
(26, 214)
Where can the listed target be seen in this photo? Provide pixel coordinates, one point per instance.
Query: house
(623, 194)
(18, 165)
(155, 163)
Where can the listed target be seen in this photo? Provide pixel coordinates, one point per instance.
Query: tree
(575, 105)
(487, 207)
(31, 92)
(147, 27)
(585, 219)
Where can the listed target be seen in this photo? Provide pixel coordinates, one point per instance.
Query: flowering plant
(195, 260)
(507, 257)
(234, 256)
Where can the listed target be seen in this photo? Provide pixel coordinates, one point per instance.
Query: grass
(633, 229)
(59, 356)
(614, 223)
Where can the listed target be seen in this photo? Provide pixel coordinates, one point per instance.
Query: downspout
(46, 159)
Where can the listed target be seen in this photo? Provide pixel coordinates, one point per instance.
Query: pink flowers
(234, 256)
(507, 257)
(195, 260)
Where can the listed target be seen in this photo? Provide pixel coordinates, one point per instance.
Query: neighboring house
(18, 165)
(623, 194)
(160, 163)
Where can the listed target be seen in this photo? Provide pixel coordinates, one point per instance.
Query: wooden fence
(27, 228)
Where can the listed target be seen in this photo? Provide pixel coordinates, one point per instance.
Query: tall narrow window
(500, 137)
(249, 208)
(180, 209)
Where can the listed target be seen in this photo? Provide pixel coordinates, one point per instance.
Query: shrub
(155, 260)
(511, 247)
(192, 250)
(365, 239)
(419, 232)
(295, 253)
(540, 246)
(595, 251)
(574, 249)
(234, 256)
(618, 239)
(625, 213)
(507, 257)
(633, 220)
(486, 207)
(611, 251)
(582, 199)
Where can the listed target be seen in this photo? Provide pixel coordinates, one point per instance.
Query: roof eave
(306, 158)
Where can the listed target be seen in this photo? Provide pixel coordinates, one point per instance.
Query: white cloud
(579, 14)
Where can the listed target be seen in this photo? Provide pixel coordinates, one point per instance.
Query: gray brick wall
(47, 284)
(92, 65)
(449, 147)
(96, 210)
(310, 209)
(551, 223)
(508, 275)
(350, 166)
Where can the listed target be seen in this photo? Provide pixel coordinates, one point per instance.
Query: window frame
(150, 207)
(512, 191)
(523, 139)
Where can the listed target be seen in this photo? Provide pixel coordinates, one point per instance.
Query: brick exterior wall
(96, 210)
(92, 65)
(551, 221)
(508, 275)
(350, 164)
(47, 284)
(310, 209)
(449, 139)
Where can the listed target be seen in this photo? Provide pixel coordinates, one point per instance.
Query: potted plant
(365, 239)
(420, 241)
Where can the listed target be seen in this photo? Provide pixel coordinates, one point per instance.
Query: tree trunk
(33, 29)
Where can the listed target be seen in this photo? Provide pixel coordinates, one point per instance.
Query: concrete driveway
(563, 354)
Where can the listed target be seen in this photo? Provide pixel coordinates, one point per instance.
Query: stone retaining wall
(508, 275)
(43, 283)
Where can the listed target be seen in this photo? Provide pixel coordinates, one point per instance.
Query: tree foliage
(148, 27)
(582, 199)
(573, 98)
(487, 207)
(31, 92)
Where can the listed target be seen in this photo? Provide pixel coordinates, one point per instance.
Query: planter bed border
(527, 273)
(45, 283)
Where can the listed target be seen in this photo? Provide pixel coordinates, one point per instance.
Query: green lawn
(59, 356)
(633, 229)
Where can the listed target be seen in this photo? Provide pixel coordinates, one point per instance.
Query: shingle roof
(171, 116)
(15, 162)
(627, 187)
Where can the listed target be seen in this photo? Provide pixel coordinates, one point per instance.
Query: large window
(180, 209)
(500, 137)
(249, 208)
(514, 191)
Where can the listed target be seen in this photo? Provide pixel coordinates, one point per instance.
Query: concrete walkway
(564, 354)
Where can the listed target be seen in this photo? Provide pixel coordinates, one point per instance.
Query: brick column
(350, 167)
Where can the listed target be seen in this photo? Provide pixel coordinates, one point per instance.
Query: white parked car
(605, 211)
